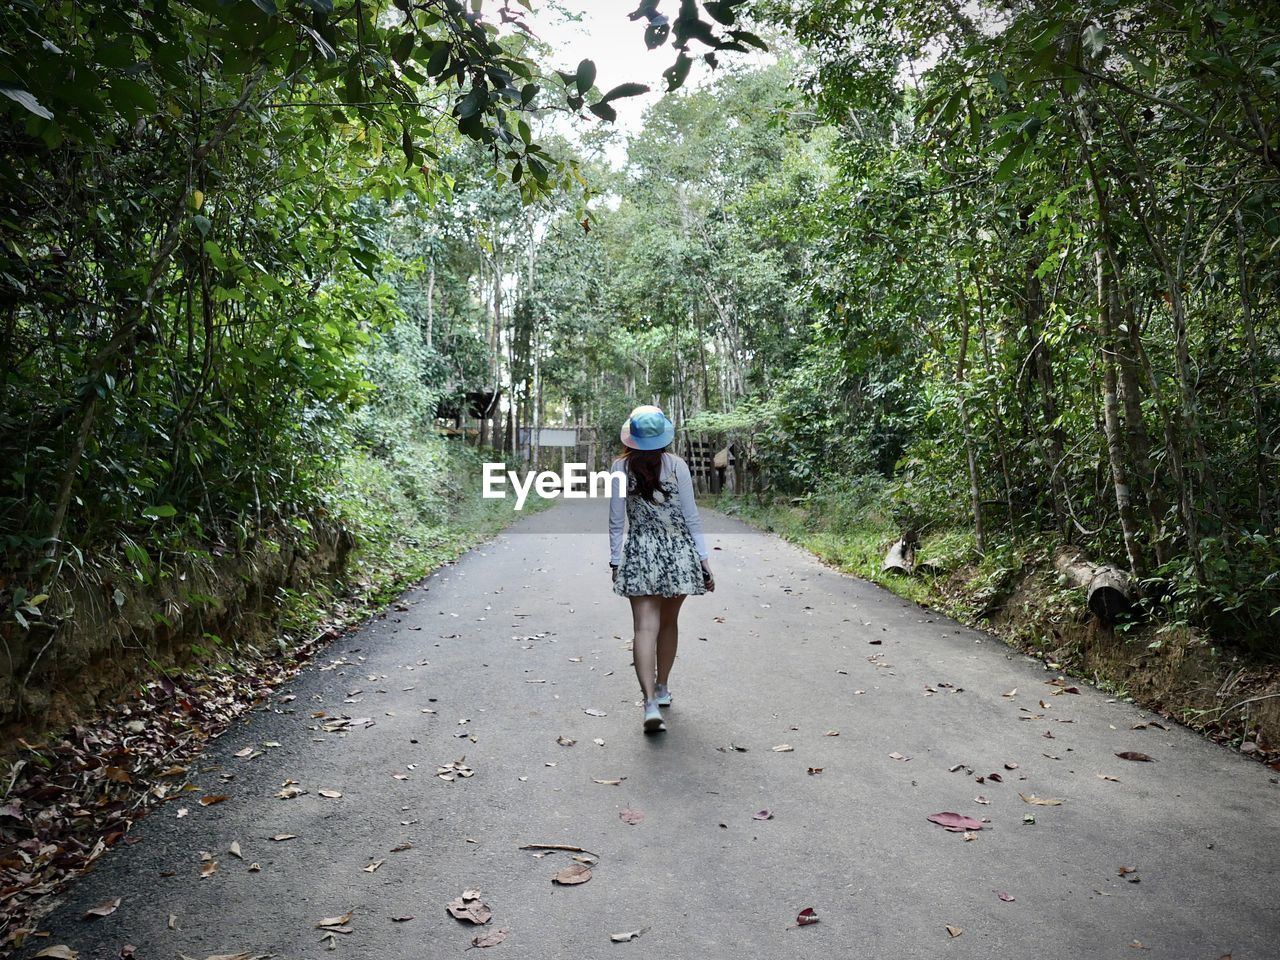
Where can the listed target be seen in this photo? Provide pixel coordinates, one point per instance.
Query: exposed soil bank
(101, 635)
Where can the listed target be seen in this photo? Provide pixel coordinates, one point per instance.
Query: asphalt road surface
(848, 714)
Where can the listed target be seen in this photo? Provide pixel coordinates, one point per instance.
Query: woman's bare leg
(646, 617)
(668, 637)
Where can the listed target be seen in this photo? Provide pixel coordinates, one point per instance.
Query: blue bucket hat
(647, 429)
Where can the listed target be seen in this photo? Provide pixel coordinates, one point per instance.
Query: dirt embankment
(1178, 671)
(101, 634)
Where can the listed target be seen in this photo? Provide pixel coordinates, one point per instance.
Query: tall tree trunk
(1263, 484)
(1050, 437)
(975, 495)
(1111, 416)
(996, 416)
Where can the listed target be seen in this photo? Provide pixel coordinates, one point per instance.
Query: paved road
(512, 644)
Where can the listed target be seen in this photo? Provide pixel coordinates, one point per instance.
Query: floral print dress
(660, 553)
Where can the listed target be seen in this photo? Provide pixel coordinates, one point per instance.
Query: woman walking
(664, 558)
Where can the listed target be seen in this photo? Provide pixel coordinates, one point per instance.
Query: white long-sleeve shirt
(672, 466)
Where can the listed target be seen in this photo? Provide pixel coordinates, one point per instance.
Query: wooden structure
(710, 463)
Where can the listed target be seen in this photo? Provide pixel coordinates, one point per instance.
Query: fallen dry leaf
(234, 850)
(954, 932)
(330, 794)
(404, 919)
(469, 907)
(897, 756)
(832, 733)
(573, 874)
(210, 800)
(814, 771)
(609, 783)
(285, 836)
(762, 815)
(490, 939)
(625, 937)
(592, 712)
(60, 952)
(341, 921)
(565, 741)
(373, 867)
(209, 869)
(806, 917)
(1040, 801)
(1135, 756)
(1105, 776)
(631, 816)
(1125, 871)
(1006, 897)
(102, 909)
(954, 822)
(783, 748)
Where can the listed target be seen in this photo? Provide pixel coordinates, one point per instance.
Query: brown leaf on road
(762, 815)
(565, 741)
(211, 799)
(470, 907)
(1124, 871)
(593, 712)
(234, 850)
(897, 756)
(832, 733)
(209, 869)
(404, 919)
(102, 909)
(954, 932)
(1040, 801)
(279, 837)
(1006, 897)
(573, 874)
(1011, 766)
(631, 816)
(341, 921)
(490, 939)
(1135, 756)
(401, 847)
(1105, 776)
(59, 952)
(783, 748)
(373, 867)
(954, 822)
(625, 937)
(609, 783)
(806, 917)
(247, 751)
(330, 794)
(814, 771)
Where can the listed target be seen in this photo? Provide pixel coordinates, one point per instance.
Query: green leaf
(160, 512)
(1011, 162)
(586, 76)
(27, 100)
(624, 90)
(603, 111)
(678, 72)
(1094, 39)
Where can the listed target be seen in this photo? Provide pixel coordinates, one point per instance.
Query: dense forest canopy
(1013, 265)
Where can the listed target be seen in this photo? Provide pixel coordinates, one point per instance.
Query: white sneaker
(653, 717)
(662, 695)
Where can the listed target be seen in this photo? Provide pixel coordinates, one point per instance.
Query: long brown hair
(646, 467)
